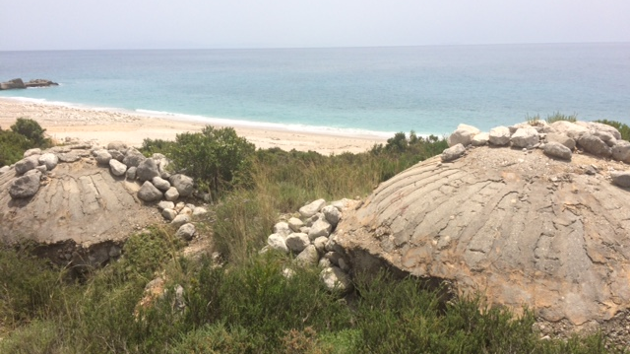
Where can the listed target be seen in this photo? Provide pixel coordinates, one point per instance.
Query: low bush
(217, 159)
(12, 146)
(29, 288)
(151, 146)
(402, 316)
(32, 131)
(218, 338)
(36, 337)
(256, 296)
(24, 134)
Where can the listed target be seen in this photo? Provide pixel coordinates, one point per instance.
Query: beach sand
(104, 126)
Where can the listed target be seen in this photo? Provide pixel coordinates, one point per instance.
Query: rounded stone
(297, 242)
(147, 170)
(118, 168)
(183, 184)
(186, 231)
(25, 186)
(49, 160)
(26, 164)
(160, 183)
(148, 192)
(171, 194)
(558, 150)
(102, 156)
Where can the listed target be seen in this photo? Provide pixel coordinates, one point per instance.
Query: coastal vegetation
(557, 116)
(24, 134)
(247, 305)
(624, 129)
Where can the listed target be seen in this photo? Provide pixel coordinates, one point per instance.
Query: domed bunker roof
(77, 201)
(518, 227)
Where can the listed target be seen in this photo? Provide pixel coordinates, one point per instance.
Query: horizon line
(313, 47)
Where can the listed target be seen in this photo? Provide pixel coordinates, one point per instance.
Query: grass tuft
(557, 116)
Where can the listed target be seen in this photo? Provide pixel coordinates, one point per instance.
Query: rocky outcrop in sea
(20, 84)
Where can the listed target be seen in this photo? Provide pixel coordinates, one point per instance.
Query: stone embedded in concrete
(453, 153)
(557, 150)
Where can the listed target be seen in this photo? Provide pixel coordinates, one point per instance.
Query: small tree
(12, 147)
(217, 158)
(398, 143)
(32, 131)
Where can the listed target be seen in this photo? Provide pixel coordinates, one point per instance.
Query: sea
(345, 91)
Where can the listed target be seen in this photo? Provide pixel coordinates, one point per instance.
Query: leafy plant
(217, 338)
(151, 146)
(35, 338)
(28, 287)
(257, 297)
(32, 131)
(12, 147)
(217, 159)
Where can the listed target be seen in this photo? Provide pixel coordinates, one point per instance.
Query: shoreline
(103, 125)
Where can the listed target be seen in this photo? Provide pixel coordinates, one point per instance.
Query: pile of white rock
(123, 162)
(308, 238)
(558, 140)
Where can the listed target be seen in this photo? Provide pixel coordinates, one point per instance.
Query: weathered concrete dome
(518, 227)
(78, 202)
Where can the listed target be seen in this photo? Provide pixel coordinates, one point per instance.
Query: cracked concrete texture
(79, 202)
(518, 227)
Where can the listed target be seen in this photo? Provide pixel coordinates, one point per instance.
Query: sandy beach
(103, 126)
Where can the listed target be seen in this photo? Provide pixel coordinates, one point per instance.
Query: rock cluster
(558, 140)
(20, 84)
(122, 161)
(307, 236)
(81, 202)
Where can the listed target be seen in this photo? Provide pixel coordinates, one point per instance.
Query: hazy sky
(122, 24)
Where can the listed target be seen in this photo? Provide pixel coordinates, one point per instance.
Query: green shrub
(146, 252)
(305, 341)
(398, 143)
(290, 179)
(29, 288)
(401, 153)
(624, 129)
(257, 297)
(35, 338)
(32, 131)
(217, 338)
(217, 159)
(24, 134)
(151, 146)
(345, 341)
(12, 147)
(109, 302)
(402, 316)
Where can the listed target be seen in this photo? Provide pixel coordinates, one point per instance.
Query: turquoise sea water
(349, 90)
